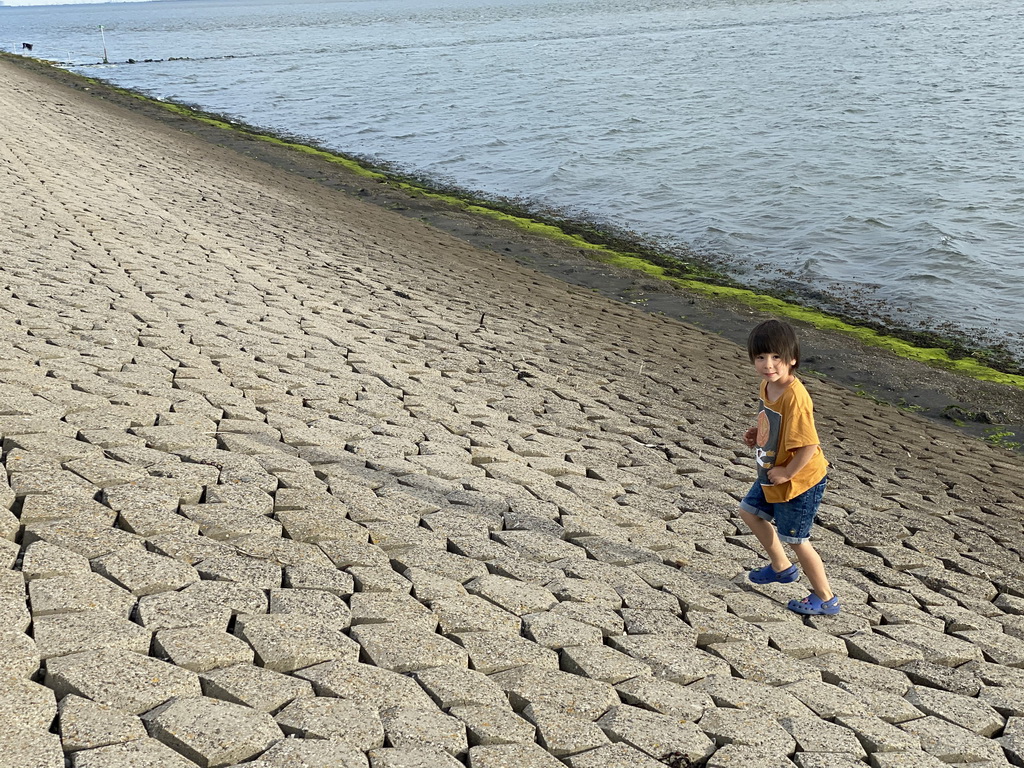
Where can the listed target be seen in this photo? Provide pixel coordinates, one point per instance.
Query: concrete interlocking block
(936, 647)
(1012, 740)
(493, 725)
(646, 598)
(140, 753)
(19, 655)
(149, 523)
(14, 613)
(471, 613)
(409, 757)
(970, 713)
(172, 610)
(509, 564)
(26, 706)
(556, 631)
(201, 648)
(1008, 702)
(46, 507)
(492, 652)
(563, 734)
(952, 743)
(237, 597)
(766, 665)
(954, 680)
(311, 602)
(440, 562)
(742, 756)
(241, 569)
(131, 682)
(673, 657)
(43, 561)
(886, 705)
(538, 546)
(616, 552)
(310, 753)
(997, 647)
(353, 723)
(85, 724)
(713, 628)
(910, 759)
(222, 522)
(656, 734)
(613, 756)
(529, 684)
(450, 686)
(608, 621)
(511, 756)
(367, 684)
(188, 547)
(105, 473)
(379, 579)
(321, 525)
(665, 697)
(825, 699)
(319, 577)
(995, 675)
(56, 447)
(284, 642)
(406, 648)
(878, 649)
(599, 662)
(261, 689)
(942, 578)
(516, 597)
(391, 607)
(734, 692)
(408, 726)
(79, 592)
(145, 573)
(430, 588)
(82, 535)
(802, 642)
(814, 735)
(749, 728)
(91, 630)
(839, 669)
(211, 732)
(876, 735)
(285, 552)
(826, 760)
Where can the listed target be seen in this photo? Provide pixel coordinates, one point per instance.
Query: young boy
(791, 468)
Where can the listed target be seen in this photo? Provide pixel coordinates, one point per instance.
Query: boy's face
(774, 368)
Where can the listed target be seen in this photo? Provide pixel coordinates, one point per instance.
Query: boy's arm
(801, 458)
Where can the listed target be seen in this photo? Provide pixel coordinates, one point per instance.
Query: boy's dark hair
(774, 337)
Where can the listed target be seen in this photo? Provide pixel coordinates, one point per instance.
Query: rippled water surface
(872, 148)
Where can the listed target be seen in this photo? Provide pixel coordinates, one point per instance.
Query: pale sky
(13, 3)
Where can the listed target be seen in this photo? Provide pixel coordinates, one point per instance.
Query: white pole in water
(104, 38)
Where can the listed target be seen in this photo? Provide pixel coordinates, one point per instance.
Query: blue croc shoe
(768, 575)
(812, 605)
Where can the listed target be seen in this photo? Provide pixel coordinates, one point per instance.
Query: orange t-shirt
(783, 426)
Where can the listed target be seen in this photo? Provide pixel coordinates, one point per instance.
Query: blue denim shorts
(793, 518)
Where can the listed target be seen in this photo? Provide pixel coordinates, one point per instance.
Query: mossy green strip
(933, 356)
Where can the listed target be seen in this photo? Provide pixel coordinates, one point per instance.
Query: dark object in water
(26, 46)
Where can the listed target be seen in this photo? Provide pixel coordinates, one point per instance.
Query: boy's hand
(750, 437)
(779, 475)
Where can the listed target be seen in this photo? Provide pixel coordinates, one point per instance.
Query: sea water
(871, 150)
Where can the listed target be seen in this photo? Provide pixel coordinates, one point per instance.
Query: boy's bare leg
(813, 568)
(764, 532)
